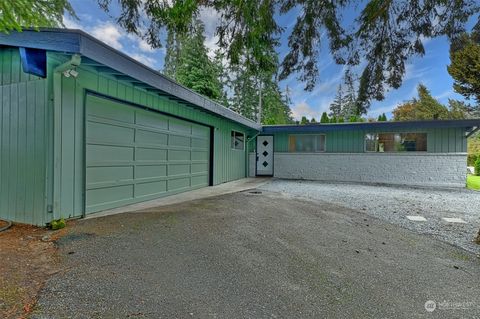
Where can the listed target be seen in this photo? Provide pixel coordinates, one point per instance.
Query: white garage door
(133, 155)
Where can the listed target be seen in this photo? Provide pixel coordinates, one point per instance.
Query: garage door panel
(101, 132)
(175, 125)
(178, 155)
(178, 184)
(179, 141)
(199, 167)
(134, 155)
(108, 153)
(108, 195)
(149, 137)
(151, 154)
(200, 156)
(178, 169)
(108, 109)
(109, 174)
(152, 120)
(200, 180)
(150, 171)
(201, 131)
(152, 188)
(200, 143)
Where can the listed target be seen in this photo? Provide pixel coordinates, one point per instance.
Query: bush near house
(473, 150)
(477, 167)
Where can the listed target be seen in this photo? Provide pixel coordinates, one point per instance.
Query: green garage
(134, 155)
(85, 128)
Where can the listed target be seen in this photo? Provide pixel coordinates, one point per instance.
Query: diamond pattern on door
(264, 163)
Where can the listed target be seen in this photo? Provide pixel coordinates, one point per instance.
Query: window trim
(309, 134)
(231, 146)
(396, 132)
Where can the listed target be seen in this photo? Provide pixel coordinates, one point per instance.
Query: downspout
(58, 71)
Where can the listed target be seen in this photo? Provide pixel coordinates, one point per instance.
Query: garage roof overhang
(78, 42)
(469, 125)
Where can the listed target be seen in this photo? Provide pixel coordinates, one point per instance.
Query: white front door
(265, 155)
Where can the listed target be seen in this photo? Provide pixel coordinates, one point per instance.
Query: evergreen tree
(350, 108)
(426, 107)
(465, 65)
(382, 118)
(333, 119)
(313, 120)
(337, 105)
(187, 62)
(324, 118)
(304, 120)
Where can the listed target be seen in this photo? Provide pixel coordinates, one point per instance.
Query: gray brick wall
(419, 169)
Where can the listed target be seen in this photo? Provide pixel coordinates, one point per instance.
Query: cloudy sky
(430, 70)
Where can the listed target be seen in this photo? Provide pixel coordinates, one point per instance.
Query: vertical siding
(228, 164)
(23, 142)
(439, 140)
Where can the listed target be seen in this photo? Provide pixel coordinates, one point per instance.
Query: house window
(396, 142)
(238, 141)
(306, 143)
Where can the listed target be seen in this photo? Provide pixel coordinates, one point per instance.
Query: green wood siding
(228, 164)
(23, 142)
(448, 140)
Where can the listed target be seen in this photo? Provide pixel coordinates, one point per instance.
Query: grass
(473, 182)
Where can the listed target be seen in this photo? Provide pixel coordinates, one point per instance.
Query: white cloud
(71, 23)
(383, 109)
(303, 108)
(140, 43)
(144, 46)
(148, 61)
(444, 95)
(109, 34)
(210, 17)
(413, 72)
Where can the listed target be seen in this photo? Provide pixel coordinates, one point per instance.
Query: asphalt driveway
(263, 255)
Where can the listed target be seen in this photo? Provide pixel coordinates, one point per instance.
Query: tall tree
(377, 42)
(16, 14)
(351, 105)
(426, 107)
(336, 107)
(187, 61)
(324, 118)
(465, 65)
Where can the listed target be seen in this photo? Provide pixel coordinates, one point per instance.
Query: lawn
(473, 182)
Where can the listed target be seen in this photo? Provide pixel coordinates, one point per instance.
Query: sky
(431, 69)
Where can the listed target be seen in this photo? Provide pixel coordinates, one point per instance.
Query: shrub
(477, 167)
(471, 159)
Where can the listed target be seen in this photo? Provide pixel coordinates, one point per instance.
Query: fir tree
(187, 62)
(324, 118)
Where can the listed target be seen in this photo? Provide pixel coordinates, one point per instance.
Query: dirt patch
(28, 257)
(3, 224)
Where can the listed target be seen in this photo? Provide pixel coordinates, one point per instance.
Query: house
(416, 153)
(84, 128)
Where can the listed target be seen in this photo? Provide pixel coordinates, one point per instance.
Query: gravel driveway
(394, 204)
(250, 255)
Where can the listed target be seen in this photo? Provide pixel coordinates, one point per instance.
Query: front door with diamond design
(265, 155)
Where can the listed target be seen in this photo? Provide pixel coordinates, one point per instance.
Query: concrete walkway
(222, 189)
